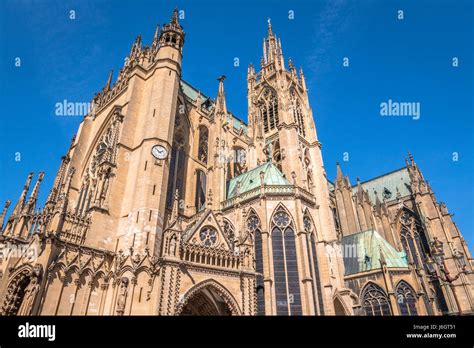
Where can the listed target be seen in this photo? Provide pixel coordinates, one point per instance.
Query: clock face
(159, 152)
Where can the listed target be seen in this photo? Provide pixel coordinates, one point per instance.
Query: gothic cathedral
(166, 203)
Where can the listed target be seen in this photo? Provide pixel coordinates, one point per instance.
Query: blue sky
(407, 60)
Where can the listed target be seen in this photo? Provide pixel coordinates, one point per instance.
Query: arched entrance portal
(206, 302)
(15, 293)
(22, 291)
(338, 307)
(208, 298)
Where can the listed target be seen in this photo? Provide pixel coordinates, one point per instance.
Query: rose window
(208, 236)
(252, 223)
(281, 219)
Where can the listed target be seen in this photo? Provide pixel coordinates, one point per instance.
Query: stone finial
(4, 212)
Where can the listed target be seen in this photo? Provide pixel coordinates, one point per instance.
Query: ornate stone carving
(122, 295)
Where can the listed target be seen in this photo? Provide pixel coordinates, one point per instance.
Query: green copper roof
(361, 253)
(251, 179)
(330, 186)
(386, 185)
(191, 92)
(238, 123)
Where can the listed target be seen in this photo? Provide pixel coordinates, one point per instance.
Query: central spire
(272, 52)
(270, 31)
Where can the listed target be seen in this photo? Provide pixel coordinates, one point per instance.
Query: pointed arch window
(253, 227)
(375, 301)
(308, 168)
(269, 110)
(297, 112)
(177, 162)
(313, 264)
(277, 157)
(413, 238)
(229, 232)
(82, 203)
(309, 182)
(200, 190)
(273, 153)
(285, 266)
(97, 179)
(406, 299)
(239, 162)
(335, 217)
(415, 245)
(203, 147)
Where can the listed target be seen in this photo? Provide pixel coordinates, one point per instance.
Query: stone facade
(167, 204)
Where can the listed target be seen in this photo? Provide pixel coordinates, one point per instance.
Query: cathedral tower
(166, 203)
(283, 132)
(151, 114)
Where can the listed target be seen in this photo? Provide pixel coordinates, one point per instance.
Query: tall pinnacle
(410, 156)
(272, 51)
(136, 47)
(21, 201)
(34, 193)
(338, 171)
(109, 81)
(156, 36)
(4, 213)
(270, 31)
(175, 17)
(31, 203)
(175, 211)
(221, 107)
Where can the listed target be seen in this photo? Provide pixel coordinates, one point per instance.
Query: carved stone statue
(29, 298)
(122, 296)
(173, 246)
(247, 258)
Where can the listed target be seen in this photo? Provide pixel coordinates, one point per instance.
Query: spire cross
(269, 27)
